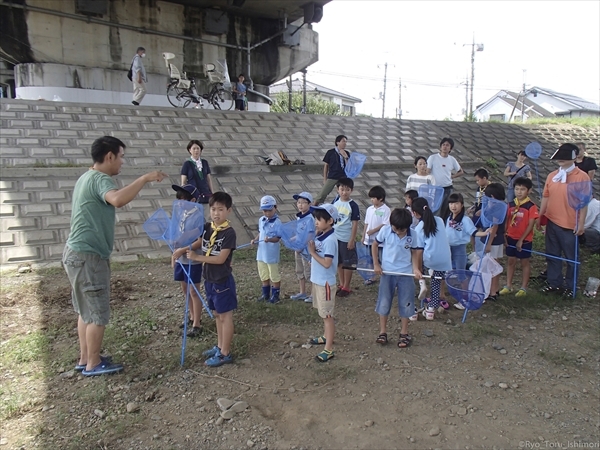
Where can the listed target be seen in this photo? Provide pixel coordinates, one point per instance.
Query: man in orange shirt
(560, 230)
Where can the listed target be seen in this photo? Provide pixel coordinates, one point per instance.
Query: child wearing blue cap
(324, 252)
(305, 219)
(267, 256)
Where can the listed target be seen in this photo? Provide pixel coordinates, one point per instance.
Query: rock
(3, 441)
(428, 333)
(412, 439)
(292, 389)
(503, 385)
(379, 361)
(306, 346)
(24, 269)
(238, 407)
(512, 312)
(229, 414)
(461, 411)
(224, 403)
(150, 395)
(155, 417)
(219, 421)
(547, 416)
(99, 413)
(369, 423)
(68, 374)
(132, 407)
(503, 352)
(168, 296)
(249, 443)
(294, 344)
(488, 384)
(497, 346)
(434, 431)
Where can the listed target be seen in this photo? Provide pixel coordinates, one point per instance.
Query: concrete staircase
(45, 147)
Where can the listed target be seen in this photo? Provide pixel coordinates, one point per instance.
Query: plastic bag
(489, 268)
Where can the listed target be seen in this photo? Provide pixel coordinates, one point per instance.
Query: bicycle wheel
(178, 97)
(222, 99)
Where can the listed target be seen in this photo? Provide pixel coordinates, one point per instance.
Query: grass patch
(560, 358)
(24, 349)
(479, 330)
(286, 312)
(585, 122)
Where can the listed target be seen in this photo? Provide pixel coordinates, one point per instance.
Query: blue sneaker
(308, 299)
(218, 360)
(104, 368)
(299, 296)
(211, 352)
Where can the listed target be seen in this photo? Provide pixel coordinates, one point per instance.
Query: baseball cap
(267, 203)
(332, 210)
(304, 195)
(189, 188)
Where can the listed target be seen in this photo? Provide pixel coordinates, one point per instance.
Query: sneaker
(211, 352)
(104, 368)
(567, 293)
(429, 313)
(135, 103)
(415, 316)
(308, 299)
(194, 332)
(190, 323)
(369, 282)
(505, 290)
(81, 367)
(299, 296)
(459, 306)
(520, 293)
(551, 290)
(218, 360)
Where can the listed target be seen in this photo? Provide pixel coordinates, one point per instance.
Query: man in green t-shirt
(87, 252)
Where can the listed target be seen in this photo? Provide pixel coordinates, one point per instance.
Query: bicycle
(182, 92)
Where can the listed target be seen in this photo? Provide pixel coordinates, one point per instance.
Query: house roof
(515, 101)
(311, 88)
(577, 102)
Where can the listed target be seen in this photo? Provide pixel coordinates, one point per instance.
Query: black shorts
(240, 105)
(346, 257)
(512, 251)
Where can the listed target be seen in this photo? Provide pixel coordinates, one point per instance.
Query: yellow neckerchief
(481, 193)
(513, 216)
(213, 236)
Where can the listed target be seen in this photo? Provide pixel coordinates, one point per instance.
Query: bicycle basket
(296, 234)
(466, 287)
(355, 164)
(433, 194)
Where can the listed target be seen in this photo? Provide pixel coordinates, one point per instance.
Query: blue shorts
(406, 295)
(511, 251)
(195, 273)
(221, 297)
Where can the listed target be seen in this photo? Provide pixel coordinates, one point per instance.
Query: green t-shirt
(92, 218)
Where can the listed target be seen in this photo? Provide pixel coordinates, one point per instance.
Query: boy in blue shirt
(345, 233)
(267, 256)
(399, 246)
(324, 252)
(305, 219)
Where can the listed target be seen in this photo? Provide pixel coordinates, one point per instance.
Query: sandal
(318, 340)
(325, 355)
(404, 341)
(382, 339)
(444, 304)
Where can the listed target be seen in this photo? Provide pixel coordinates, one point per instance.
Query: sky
(549, 44)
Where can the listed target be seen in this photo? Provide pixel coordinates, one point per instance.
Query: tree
(314, 104)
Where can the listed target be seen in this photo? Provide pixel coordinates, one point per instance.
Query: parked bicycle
(182, 92)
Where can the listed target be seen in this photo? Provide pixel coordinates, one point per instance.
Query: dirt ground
(515, 375)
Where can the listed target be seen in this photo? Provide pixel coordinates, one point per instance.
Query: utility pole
(289, 86)
(303, 91)
(400, 99)
(466, 98)
(523, 99)
(384, 86)
(474, 47)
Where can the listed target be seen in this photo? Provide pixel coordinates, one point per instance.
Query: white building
(344, 101)
(508, 106)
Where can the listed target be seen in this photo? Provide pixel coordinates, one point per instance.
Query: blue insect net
(355, 164)
(466, 287)
(365, 261)
(296, 234)
(579, 194)
(493, 212)
(533, 150)
(433, 194)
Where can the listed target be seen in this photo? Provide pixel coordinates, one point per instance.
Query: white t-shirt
(442, 168)
(373, 218)
(592, 219)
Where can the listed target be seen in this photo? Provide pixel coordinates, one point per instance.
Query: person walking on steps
(139, 78)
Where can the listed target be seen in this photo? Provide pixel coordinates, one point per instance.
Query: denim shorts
(406, 295)
(221, 297)
(89, 276)
(195, 273)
